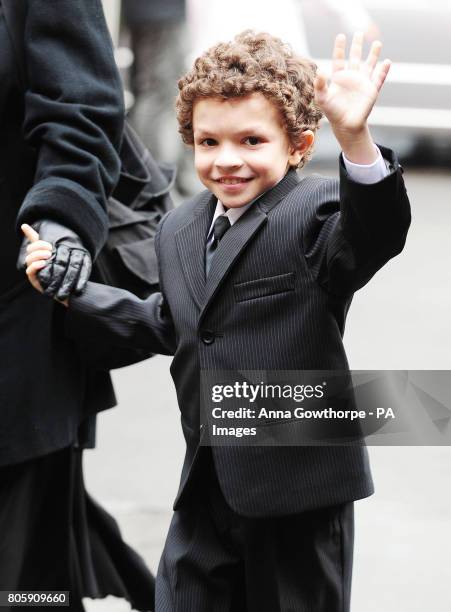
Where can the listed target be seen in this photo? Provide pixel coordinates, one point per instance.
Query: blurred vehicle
(413, 113)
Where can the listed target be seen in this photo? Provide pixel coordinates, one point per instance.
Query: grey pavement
(403, 533)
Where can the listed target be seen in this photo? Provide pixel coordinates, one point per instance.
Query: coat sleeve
(73, 115)
(352, 229)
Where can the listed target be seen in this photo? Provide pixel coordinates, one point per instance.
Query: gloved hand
(68, 268)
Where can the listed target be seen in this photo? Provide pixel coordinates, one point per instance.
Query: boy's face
(240, 147)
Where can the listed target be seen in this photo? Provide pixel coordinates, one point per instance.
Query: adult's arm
(73, 116)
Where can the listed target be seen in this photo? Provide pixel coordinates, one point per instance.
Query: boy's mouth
(232, 180)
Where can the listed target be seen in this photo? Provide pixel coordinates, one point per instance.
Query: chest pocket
(262, 287)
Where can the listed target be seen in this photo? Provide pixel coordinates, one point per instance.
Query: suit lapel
(241, 233)
(230, 247)
(269, 199)
(190, 240)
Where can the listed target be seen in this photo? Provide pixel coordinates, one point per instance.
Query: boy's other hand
(349, 96)
(39, 252)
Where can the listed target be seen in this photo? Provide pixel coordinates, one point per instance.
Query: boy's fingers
(380, 74)
(373, 56)
(31, 272)
(339, 53)
(36, 256)
(29, 232)
(355, 53)
(39, 245)
(34, 267)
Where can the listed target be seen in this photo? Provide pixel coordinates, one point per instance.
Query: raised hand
(348, 97)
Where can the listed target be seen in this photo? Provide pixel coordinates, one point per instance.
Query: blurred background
(401, 320)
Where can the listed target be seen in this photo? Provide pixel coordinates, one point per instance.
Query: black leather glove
(69, 267)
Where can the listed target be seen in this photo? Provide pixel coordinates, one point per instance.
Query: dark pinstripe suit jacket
(276, 298)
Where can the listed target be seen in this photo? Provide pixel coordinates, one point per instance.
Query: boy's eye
(252, 140)
(208, 142)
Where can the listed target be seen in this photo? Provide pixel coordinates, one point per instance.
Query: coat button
(207, 336)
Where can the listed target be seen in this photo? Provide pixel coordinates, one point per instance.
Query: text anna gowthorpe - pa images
(326, 407)
(253, 393)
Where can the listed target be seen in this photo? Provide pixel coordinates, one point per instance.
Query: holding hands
(349, 96)
(57, 262)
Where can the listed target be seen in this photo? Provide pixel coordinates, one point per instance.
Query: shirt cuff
(367, 174)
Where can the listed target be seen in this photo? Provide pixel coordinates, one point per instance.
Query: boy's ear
(306, 141)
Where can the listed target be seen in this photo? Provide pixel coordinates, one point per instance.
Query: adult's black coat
(61, 121)
(276, 298)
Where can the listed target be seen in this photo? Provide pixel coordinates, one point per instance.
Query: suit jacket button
(207, 336)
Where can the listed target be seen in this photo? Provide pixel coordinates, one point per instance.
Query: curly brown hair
(252, 62)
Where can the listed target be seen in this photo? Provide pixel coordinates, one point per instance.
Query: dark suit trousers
(217, 561)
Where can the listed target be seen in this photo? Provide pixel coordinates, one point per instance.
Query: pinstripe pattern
(217, 561)
(329, 239)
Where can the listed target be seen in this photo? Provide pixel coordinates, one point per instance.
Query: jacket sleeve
(126, 328)
(73, 115)
(118, 320)
(352, 229)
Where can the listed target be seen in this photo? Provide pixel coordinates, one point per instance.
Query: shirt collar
(233, 214)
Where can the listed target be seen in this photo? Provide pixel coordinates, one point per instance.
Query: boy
(257, 273)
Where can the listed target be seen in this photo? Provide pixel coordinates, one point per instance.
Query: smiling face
(240, 147)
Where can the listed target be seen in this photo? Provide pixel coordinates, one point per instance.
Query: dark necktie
(220, 226)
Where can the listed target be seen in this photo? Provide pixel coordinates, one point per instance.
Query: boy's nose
(228, 158)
